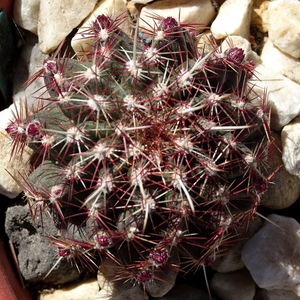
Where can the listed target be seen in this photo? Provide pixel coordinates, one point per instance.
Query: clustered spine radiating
(147, 152)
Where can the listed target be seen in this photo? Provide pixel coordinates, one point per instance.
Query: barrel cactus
(146, 152)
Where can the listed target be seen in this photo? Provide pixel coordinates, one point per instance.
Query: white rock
(290, 138)
(236, 285)
(58, 18)
(26, 14)
(272, 255)
(233, 19)
(283, 95)
(111, 8)
(279, 295)
(280, 62)
(191, 11)
(284, 25)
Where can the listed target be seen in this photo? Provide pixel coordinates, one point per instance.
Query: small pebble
(233, 19)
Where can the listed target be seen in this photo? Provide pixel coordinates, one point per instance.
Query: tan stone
(183, 11)
(26, 14)
(83, 291)
(58, 18)
(280, 62)
(12, 167)
(259, 17)
(111, 8)
(284, 25)
(233, 19)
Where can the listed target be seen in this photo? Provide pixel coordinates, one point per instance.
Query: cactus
(147, 152)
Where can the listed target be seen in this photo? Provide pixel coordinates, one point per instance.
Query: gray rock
(183, 291)
(272, 255)
(279, 295)
(236, 285)
(36, 256)
(284, 188)
(29, 62)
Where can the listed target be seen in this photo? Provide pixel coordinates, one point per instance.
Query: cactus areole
(154, 151)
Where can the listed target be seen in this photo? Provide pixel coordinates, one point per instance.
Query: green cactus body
(153, 148)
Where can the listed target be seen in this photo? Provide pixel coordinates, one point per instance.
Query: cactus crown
(152, 150)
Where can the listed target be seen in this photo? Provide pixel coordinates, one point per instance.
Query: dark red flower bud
(143, 275)
(235, 55)
(50, 66)
(63, 252)
(159, 256)
(102, 22)
(103, 240)
(169, 23)
(33, 129)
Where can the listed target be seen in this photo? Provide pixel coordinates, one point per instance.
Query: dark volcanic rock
(35, 254)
